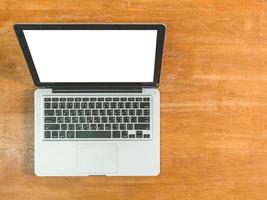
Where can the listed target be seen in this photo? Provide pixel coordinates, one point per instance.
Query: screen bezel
(158, 56)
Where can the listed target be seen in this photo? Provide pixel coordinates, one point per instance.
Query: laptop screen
(93, 55)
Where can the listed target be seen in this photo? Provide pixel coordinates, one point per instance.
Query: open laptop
(97, 103)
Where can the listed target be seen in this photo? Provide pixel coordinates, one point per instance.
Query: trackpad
(97, 158)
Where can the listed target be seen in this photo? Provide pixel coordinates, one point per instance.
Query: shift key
(142, 126)
(52, 126)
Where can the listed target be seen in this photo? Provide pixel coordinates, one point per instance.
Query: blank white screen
(93, 55)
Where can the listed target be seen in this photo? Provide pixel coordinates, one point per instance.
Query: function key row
(99, 99)
(98, 105)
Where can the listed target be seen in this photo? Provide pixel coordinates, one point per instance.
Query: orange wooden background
(213, 101)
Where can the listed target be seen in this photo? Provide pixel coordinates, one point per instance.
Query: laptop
(96, 103)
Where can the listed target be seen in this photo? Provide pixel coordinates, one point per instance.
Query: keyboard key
(58, 112)
(92, 99)
(116, 134)
(82, 120)
(96, 119)
(115, 126)
(52, 126)
(85, 99)
(102, 112)
(100, 126)
(93, 126)
(80, 112)
(124, 134)
(128, 105)
(115, 99)
(107, 126)
(139, 134)
(129, 126)
(66, 112)
(135, 105)
(111, 119)
(95, 112)
(76, 105)
(62, 99)
(64, 126)
(113, 105)
(49, 112)
(62, 134)
(70, 105)
(130, 99)
(74, 119)
(47, 99)
(55, 105)
(70, 99)
(91, 105)
(122, 126)
(117, 112)
(131, 112)
(120, 105)
(123, 99)
(138, 99)
(85, 126)
(133, 119)
(71, 127)
(146, 136)
(70, 134)
(118, 119)
(47, 134)
(108, 99)
(126, 119)
(98, 105)
(100, 99)
(104, 119)
(78, 99)
(146, 99)
(131, 135)
(142, 126)
(146, 112)
(47, 105)
(73, 112)
(83, 105)
(139, 112)
(54, 134)
(109, 112)
(89, 119)
(67, 119)
(144, 105)
(124, 112)
(50, 120)
(87, 112)
(60, 120)
(106, 105)
(55, 99)
(144, 119)
(79, 127)
(93, 134)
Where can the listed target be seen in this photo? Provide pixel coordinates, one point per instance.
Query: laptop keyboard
(99, 117)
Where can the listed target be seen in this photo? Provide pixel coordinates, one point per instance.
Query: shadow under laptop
(28, 131)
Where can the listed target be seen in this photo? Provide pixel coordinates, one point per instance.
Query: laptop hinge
(97, 90)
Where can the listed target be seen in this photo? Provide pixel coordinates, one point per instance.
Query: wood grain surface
(213, 101)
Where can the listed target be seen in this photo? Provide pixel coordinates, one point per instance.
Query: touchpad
(97, 158)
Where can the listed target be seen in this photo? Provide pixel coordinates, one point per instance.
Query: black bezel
(158, 58)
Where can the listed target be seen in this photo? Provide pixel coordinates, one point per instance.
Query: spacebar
(93, 134)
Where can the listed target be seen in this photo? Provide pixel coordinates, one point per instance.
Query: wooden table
(213, 101)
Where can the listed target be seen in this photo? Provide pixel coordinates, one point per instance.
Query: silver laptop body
(96, 103)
